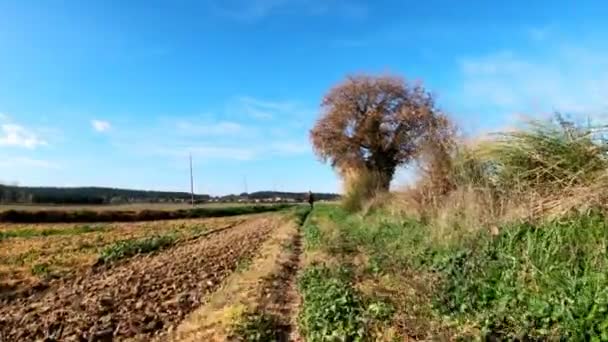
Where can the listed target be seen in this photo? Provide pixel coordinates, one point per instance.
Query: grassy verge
(541, 281)
(333, 307)
(27, 233)
(42, 216)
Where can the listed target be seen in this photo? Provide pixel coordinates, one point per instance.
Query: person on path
(311, 199)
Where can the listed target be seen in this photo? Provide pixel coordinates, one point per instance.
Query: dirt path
(280, 294)
(137, 299)
(267, 288)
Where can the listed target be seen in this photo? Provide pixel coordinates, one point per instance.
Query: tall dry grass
(360, 185)
(546, 169)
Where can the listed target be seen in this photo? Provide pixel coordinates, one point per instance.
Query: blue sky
(117, 93)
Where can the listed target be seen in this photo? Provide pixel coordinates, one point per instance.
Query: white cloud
(565, 79)
(216, 129)
(101, 126)
(18, 136)
(20, 162)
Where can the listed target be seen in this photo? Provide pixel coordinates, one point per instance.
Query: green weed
(253, 327)
(127, 248)
(547, 281)
(332, 310)
(41, 270)
(243, 264)
(28, 233)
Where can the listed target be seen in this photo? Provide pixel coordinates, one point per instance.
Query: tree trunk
(383, 170)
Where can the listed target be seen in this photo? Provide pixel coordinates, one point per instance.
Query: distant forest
(97, 195)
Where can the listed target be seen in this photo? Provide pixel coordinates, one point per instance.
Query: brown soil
(136, 299)
(70, 255)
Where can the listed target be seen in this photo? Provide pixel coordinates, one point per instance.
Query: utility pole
(245, 183)
(191, 182)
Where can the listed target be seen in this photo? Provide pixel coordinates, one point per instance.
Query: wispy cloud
(247, 129)
(567, 79)
(265, 109)
(207, 152)
(289, 147)
(245, 152)
(255, 10)
(249, 11)
(221, 128)
(539, 33)
(21, 162)
(349, 43)
(101, 126)
(18, 136)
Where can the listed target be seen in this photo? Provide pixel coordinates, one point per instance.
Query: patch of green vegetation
(544, 282)
(128, 248)
(333, 310)
(42, 270)
(312, 235)
(27, 233)
(253, 327)
(197, 230)
(243, 264)
(532, 281)
(301, 212)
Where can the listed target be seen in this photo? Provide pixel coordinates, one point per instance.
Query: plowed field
(137, 297)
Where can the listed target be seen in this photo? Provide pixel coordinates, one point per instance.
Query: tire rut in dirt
(135, 299)
(280, 295)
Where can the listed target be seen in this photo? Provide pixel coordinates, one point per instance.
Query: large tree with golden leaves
(375, 124)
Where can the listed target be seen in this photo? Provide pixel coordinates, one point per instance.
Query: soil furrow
(136, 299)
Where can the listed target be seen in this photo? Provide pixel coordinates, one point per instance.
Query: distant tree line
(88, 195)
(298, 196)
(98, 195)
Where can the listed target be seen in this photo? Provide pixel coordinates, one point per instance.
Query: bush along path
(259, 302)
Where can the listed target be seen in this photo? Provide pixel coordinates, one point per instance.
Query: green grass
(128, 248)
(543, 282)
(28, 233)
(332, 308)
(253, 327)
(41, 270)
(533, 281)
